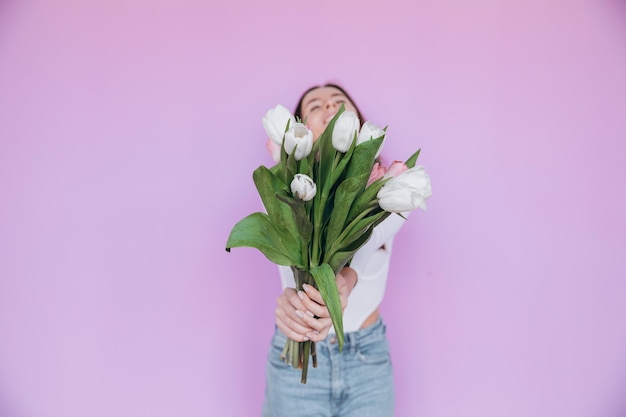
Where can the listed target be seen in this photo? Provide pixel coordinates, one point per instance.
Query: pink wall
(128, 134)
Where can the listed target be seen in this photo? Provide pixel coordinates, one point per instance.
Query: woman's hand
(303, 316)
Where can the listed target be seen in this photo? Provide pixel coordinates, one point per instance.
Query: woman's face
(320, 105)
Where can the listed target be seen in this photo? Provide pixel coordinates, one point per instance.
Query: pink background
(128, 134)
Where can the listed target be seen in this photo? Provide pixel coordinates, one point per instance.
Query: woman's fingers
(288, 330)
(302, 315)
(287, 307)
(295, 318)
(313, 293)
(323, 327)
(312, 299)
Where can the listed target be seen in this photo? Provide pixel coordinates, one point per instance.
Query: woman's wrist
(350, 276)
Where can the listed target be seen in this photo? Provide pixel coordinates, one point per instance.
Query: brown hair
(298, 112)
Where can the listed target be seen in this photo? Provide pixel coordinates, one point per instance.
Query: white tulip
(346, 126)
(406, 192)
(370, 131)
(300, 138)
(303, 187)
(275, 123)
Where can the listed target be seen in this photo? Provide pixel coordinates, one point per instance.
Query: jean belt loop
(352, 341)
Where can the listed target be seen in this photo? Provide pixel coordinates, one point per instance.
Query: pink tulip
(378, 171)
(395, 169)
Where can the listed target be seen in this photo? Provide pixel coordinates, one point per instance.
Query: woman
(357, 381)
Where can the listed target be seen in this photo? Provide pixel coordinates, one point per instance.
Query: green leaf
(344, 197)
(304, 167)
(258, 231)
(413, 159)
(302, 221)
(277, 170)
(340, 258)
(342, 161)
(327, 286)
(370, 221)
(359, 237)
(268, 185)
(354, 238)
(365, 199)
(292, 167)
(363, 157)
(322, 171)
(327, 152)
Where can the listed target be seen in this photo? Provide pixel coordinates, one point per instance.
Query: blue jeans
(357, 382)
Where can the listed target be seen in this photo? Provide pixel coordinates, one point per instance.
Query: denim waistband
(352, 340)
(361, 337)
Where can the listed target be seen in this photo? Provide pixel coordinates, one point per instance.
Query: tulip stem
(335, 163)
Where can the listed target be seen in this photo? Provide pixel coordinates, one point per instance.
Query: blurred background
(129, 131)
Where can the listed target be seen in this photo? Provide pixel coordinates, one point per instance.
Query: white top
(371, 264)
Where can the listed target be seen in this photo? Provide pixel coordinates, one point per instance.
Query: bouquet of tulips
(323, 199)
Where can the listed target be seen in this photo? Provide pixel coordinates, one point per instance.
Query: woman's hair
(298, 112)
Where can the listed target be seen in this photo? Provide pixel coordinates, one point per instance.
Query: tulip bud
(275, 123)
(396, 168)
(370, 131)
(300, 138)
(406, 192)
(303, 187)
(378, 171)
(346, 125)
